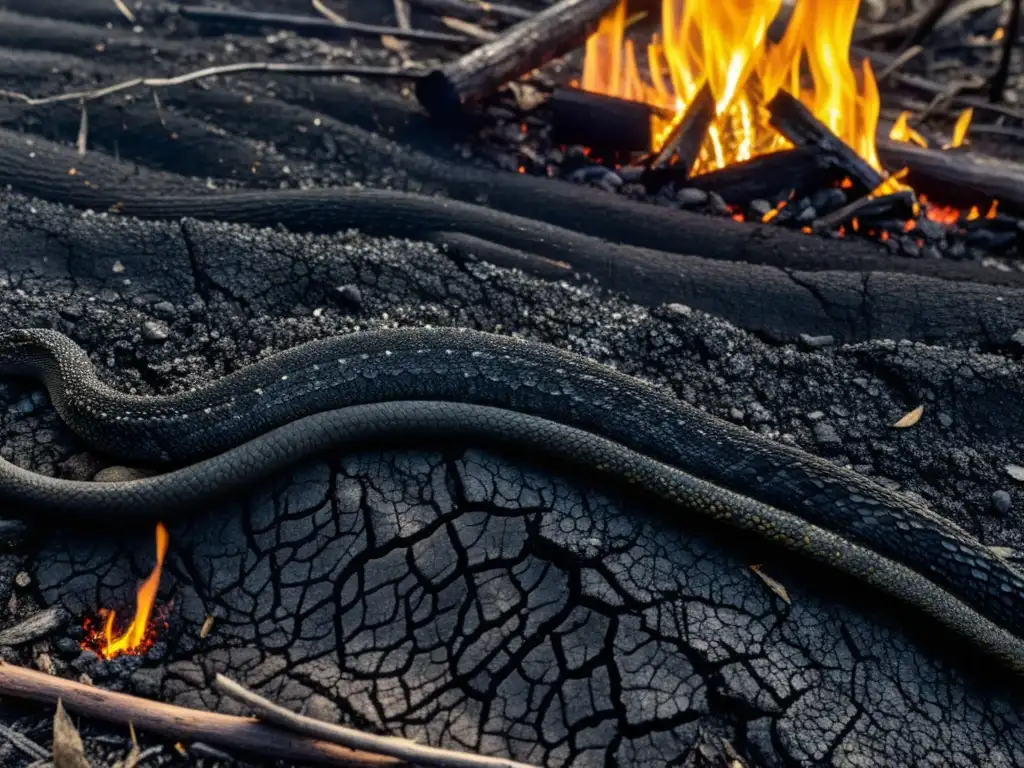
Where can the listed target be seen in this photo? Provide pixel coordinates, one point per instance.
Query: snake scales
(444, 383)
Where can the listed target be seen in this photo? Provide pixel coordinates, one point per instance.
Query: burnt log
(956, 178)
(794, 121)
(600, 122)
(520, 49)
(684, 142)
(802, 170)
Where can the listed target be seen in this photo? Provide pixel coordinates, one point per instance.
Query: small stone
(679, 309)
(71, 312)
(23, 579)
(691, 197)
(930, 230)
(68, 648)
(1018, 339)
(1001, 502)
(1016, 472)
(736, 414)
(828, 200)
(165, 310)
(718, 204)
(351, 294)
(758, 209)
(815, 415)
(945, 419)
(807, 215)
(155, 330)
(909, 248)
(816, 342)
(826, 436)
(44, 663)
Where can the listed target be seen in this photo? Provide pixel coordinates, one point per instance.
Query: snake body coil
(459, 383)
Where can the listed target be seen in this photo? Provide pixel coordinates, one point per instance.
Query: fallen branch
(315, 26)
(180, 723)
(522, 48)
(314, 70)
(403, 749)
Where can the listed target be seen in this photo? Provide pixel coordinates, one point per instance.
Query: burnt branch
(794, 121)
(520, 49)
(683, 144)
(957, 178)
(997, 86)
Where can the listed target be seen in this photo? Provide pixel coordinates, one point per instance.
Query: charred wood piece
(803, 170)
(470, 10)
(522, 48)
(600, 122)
(958, 179)
(997, 86)
(684, 142)
(794, 121)
(898, 206)
(314, 26)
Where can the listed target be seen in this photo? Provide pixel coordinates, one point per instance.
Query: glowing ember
(139, 635)
(725, 45)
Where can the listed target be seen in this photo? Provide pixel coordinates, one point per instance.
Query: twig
(335, 18)
(473, 10)
(403, 749)
(125, 10)
(927, 25)
(241, 733)
(907, 55)
(313, 70)
(310, 25)
(997, 87)
(469, 29)
(83, 131)
(24, 743)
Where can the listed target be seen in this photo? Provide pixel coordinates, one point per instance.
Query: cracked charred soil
(480, 601)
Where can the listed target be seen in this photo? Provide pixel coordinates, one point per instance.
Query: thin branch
(335, 17)
(928, 24)
(179, 723)
(910, 53)
(314, 70)
(125, 10)
(997, 87)
(403, 749)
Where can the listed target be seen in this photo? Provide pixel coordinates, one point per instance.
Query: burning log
(955, 178)
(521, 48)
(600, 122)
(683, 144)
(803, 170)
(794, 121)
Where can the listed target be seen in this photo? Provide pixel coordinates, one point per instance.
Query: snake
(438, 384)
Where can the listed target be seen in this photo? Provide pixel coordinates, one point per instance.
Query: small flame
(963, 122)
(725, 45)
(901, 131)
(139, 635)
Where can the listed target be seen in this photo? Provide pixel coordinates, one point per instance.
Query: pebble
(828, 200)
(1018, 339)
(826, 436)
(23, 579)
(679, 309)
(68, 648)
(807, 215)
(717, 203)
(351, 294)
(757, 209)
(691, 197)
(945, 419)
(165, 310)
(155, 330)
(930, 230)
(1001, 502)
(816, 342)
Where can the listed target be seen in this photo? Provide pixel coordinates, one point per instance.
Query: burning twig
(311, 70)
(794, 121)
(684, 142)
(403, 749)
(997, 87)
(600, 122)
(472, 10)
(958, 179)
(239, 733)
(520, 49)
(898, 205)
(315, 26)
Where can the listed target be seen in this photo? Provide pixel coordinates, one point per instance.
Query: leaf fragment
(68, 750)
(773, 585)
(910, 419)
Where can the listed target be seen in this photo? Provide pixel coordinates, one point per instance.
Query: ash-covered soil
(476, 600)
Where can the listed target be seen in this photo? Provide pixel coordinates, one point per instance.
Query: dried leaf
(910, 419)
(132, 758)
(1016, 472)
(393, 44)
(68, 750)
(773, 585)
(207, 626)
(526, 96)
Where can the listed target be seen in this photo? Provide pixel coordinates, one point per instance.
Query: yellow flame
(963, 122)
(901, 131)
(723, 43)
(132, 638)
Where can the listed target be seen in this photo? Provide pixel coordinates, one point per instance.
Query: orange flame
(725, 45)
(139, 635)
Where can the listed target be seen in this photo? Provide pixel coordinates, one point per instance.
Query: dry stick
(927, 25)
(909, 54)
(180, 723)
(311, 25)
(333, 16)
(530, 44)
(471, 10)
(997, 87)
(224, 69)
(125, 10)
(403, 749)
